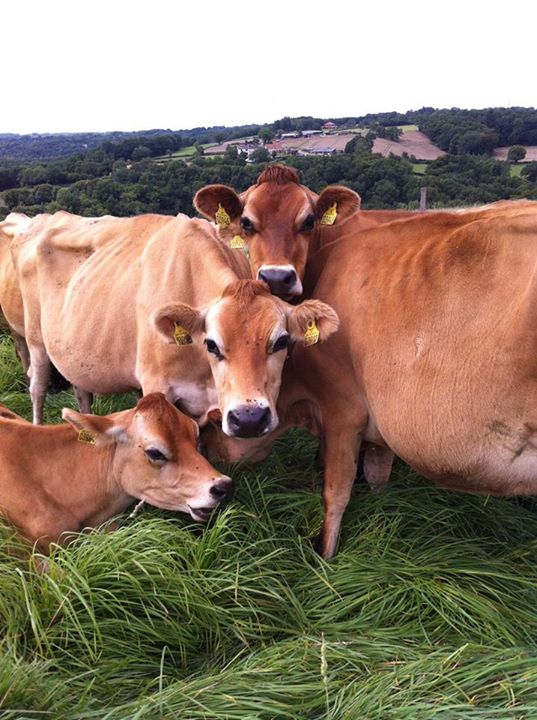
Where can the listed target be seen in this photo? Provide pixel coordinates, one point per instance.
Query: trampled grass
(429, 611)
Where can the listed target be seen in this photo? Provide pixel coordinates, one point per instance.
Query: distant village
(330, 140)
(326, 141)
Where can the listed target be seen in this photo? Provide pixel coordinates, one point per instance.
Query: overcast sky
(70, 66)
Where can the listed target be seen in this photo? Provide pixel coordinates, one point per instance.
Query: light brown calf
(79, 474)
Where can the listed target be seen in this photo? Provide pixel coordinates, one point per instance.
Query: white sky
(70, 66)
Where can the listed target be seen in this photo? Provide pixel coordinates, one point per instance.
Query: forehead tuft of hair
(156, 406)
(244, 291)
(279, 174)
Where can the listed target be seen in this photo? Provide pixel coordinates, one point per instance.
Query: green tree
(516, 153)
(260, 155)
(266, 135)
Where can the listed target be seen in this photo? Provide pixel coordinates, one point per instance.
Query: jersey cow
(10, 296)
(158, 303)
(434, 358)
(278, 221)
(85, 471)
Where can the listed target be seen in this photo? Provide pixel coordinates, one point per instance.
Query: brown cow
(10, 296)
(434, 358)
(278, 220)
(158, 303)
(81, 473)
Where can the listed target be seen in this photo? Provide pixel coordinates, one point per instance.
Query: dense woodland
(118, 173)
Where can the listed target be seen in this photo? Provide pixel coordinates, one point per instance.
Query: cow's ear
(336, 203)
(178, 322)
(95, 430)
(312, 321)
(221, 199)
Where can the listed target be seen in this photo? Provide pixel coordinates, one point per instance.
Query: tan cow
(278, 220)
(434, 358)
(10, 296)
(81, 473)
(158, 303)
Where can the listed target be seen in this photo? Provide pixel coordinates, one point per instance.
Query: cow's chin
(201, 514)
(165, 503)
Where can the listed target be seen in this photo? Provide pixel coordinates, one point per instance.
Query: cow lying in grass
(63, 478)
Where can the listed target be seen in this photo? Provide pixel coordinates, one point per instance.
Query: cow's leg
(84, 399)
(378, 463)
(21, 348)
(40, 367)
(341, 448)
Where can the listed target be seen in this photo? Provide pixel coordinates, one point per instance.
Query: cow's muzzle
(248, 421)
(281, 279)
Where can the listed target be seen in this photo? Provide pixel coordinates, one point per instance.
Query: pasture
(429, 610)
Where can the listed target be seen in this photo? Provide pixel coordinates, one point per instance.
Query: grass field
(182, 154)
(429, 611)
(419, 168)
(408, 128)
(515, 170)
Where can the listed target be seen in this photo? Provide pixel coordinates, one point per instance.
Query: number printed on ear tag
(86, 436)
(181, 336)
(236, 242)
(221, 217)
(329, 217)
(312, 334)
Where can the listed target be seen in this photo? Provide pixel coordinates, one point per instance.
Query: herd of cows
(381, 332)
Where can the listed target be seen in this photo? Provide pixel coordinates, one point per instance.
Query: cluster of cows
(430, 352)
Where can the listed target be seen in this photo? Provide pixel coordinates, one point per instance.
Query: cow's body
(59, 484)
(11, 307)
(90, 287)
(436, 353)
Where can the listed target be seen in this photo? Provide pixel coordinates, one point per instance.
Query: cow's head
(154, 456)
(247, 332)
(276, 219)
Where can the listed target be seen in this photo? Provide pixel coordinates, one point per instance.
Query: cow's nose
(280, 281)
(247, 422)
(222, 490)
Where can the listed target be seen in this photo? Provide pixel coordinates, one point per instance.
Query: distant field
(185, 152)
(412, 142)
(419, 168)
(500, 153)
(408, 128)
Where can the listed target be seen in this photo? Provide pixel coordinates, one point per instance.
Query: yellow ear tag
(236, 242)
(86, 436)
(329, 218)
(181, 336)
(312, 334)
(221, 217)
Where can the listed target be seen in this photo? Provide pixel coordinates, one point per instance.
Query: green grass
(408, 128)
(428, 612)
(182, 154)
(419, 168)
(515, 170)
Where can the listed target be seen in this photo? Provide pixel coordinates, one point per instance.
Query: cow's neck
(77, 476)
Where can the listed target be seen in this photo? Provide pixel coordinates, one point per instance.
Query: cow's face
(247, 333)
(276, 220)
(154, 456)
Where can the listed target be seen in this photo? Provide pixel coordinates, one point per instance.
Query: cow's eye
(308, 224)
(247, 225)
(281, 343)
(155, 455)
(213, 348)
